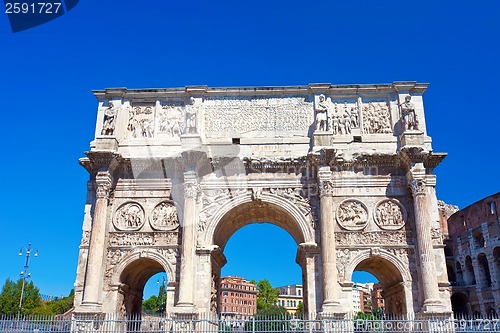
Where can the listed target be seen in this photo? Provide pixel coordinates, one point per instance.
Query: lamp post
(24, 275)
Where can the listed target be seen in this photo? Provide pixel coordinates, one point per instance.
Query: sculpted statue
(191, 117)
(410, 120)
(321, 114)
(108, 126)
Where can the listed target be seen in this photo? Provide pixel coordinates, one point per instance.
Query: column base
(89, 307)
(434, 306)
(184, 308)
(331, 308)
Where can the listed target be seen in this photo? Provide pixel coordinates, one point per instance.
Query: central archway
(268, 208)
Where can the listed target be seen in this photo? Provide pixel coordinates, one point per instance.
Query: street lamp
(24, 275)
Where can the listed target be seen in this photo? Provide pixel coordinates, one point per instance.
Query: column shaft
(93, 287)
(429, 282)
(328, 252)
(186, 283)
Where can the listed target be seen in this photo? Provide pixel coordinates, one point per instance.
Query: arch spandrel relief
(352, 214)
(129, 216)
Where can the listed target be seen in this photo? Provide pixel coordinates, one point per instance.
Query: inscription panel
(243, 115)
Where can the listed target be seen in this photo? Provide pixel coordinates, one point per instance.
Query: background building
(290, 297)
(238, 297)
(377, 297)
(362, 297)
(473, 256)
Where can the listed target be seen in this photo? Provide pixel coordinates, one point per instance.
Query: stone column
(430, 288)
(189, 220)
(306, 258)
(93, 279)
(328, 252)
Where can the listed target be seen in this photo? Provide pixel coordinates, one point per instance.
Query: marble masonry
(346, 170)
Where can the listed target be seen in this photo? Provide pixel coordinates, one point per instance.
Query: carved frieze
(352, 214)
(390, 214)
(118, 239)
(164, 217)
(123, 239)
(248, 114)
(129, 216)
(344, 118)
(376, 118)
(141, 122)
(171, 120)
(389, 237)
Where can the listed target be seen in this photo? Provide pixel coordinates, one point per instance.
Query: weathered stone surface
(345, 169)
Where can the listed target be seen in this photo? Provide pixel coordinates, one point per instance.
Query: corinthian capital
(104, 184)
(417, 187)
(190, 190)
(326, 188)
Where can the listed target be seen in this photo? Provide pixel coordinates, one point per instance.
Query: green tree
(266, 295)
(58, 306)
(11, 294)
(300, 309)
(151, 304)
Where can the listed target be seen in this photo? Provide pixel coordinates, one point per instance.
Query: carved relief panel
(344, 117)
(376, 117)
(390, 214)
(129, 216)
(141, 121)
(164, 217)
(352, 214)
(170, 119)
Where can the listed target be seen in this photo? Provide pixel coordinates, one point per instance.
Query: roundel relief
(352, 215)
(129, 216)
(390, 214)
(164, 217)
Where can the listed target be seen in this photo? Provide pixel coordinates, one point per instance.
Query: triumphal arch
(346, 170)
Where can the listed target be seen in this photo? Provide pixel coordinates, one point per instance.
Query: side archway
(392, 274)
(132, 273)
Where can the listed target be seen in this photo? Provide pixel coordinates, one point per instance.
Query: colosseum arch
(175, 172)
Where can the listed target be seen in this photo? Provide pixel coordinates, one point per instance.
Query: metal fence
(106, 323)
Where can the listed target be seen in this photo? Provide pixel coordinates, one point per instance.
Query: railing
(106, 323)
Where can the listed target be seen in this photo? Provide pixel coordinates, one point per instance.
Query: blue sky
(48, 111)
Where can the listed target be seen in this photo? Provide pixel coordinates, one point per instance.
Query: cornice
(326, 88)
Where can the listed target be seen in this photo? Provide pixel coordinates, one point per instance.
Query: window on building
(299, 292)
(493, 209)
(478, 238)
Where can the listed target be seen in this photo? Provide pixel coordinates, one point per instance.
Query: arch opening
(459, 304)
(261, 212)
(256, 212)
(133, 280)
(390, 283)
